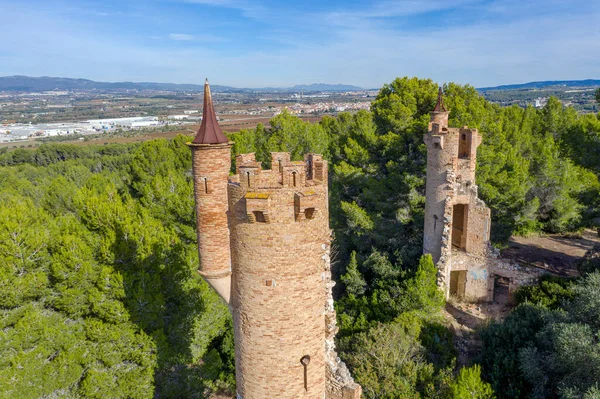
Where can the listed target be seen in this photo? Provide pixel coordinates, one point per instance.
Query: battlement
(284, 173)
(289, 192)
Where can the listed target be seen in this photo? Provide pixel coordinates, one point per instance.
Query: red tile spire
(210, 132)
(440, 107)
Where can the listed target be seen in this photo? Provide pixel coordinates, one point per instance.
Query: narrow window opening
(435, 219)
(294, 179)
(309, 213)
(463, 147)
(259, 217)
(305, 362)
(205, 185)
(248, 176)
(280, 166)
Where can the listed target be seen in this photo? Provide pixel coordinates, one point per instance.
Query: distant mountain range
(47, 83)
(545, 83)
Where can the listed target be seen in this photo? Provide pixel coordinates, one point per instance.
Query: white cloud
(181, 36)
(184, 37)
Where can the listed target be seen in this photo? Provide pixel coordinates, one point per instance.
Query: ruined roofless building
(457, 223)
(263, 244)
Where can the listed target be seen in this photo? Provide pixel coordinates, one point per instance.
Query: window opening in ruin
(305, 362)
(458, 283)
(248, 176)
(459, 226)
(205, 185)
(501, 289)
(463, 147)
(486, 229)
(280, 166)
(309, 213)
(435, 219)
(294, 179)
(259, 217)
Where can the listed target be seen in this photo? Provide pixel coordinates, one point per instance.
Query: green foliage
(469, 385)
(287, 133)
(421, 291)
(388, 362)
(100, 294)
(353, 279)
(550, 292)
(537, 352)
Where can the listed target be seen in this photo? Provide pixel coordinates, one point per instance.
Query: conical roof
(210, 132)
(439, 106)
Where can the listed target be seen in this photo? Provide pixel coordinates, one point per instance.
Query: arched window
(294, 177)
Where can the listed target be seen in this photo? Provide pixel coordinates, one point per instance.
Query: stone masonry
(457, 223)
(264, 242)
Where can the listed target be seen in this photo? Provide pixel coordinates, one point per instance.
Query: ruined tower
(456, 221)
(264, 241)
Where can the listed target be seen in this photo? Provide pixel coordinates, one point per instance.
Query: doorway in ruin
(458, 283)
(501, 289)
(459, 226)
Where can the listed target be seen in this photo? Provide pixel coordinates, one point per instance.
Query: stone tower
(211, 163)
(264, 240)
(457, 222)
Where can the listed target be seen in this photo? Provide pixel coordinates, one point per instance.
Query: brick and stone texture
(211, 164)
(277, 232)
(458, 223)
(281, 298)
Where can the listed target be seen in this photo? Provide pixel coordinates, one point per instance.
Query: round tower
(280, 241)
(211, 163)
(439, 159)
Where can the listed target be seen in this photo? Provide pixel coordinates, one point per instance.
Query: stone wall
(482, 271)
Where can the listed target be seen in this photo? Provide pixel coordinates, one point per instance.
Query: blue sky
(277, 43)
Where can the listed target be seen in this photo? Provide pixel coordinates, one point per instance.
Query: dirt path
(556, 253)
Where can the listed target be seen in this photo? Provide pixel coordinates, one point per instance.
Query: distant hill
(546, 83)
(47, 83)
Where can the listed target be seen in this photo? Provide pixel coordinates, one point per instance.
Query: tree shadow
(165, 298)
